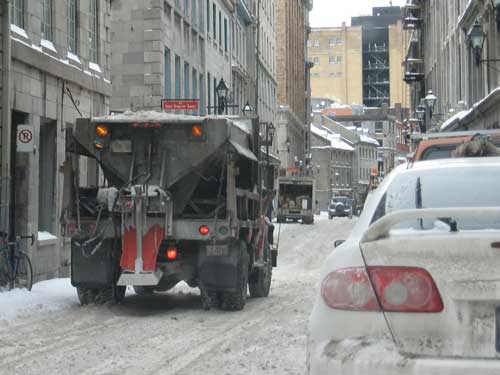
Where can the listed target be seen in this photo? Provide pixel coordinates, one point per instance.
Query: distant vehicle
(295, 199)
(340, 207)
(431, 146)
(414, 290)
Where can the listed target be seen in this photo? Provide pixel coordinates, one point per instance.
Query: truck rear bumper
(140, 279)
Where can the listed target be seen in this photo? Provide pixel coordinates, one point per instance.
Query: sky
(331, 13)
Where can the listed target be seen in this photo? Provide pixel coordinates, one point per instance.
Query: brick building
(293, 123)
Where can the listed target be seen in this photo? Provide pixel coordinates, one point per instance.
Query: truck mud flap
(218, 267)
(92, 263)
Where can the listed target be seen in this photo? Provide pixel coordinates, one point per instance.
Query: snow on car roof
(451, 162)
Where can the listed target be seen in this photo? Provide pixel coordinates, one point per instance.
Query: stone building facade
(332, 157)
(364, 157)
(293, 119)
(58, 70)
(466, 86)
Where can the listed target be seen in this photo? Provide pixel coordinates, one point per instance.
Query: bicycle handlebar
(31, 237)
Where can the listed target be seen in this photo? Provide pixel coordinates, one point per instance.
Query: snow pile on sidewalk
(46, 296)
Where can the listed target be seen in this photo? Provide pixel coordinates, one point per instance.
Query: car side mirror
(338, 243)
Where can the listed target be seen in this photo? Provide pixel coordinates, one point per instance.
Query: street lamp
(288, 144)
(430, 102)
(476, 37)
(222, 91)
(247, 109)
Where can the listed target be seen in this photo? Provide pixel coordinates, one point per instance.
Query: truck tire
(85, 295)
(235, 301)
(119, 293)
(260, 281)
(280, 219)
(143, 290)
(308, 220)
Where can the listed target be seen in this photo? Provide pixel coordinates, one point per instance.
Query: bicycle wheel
(5, 272)
(24, 272)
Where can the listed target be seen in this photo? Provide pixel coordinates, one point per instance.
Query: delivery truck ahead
(296, 199)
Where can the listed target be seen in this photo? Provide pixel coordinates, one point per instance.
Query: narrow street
(171, 334)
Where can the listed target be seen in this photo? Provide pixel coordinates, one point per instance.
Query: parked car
(415, 289)
(341, 207)
(431, 146)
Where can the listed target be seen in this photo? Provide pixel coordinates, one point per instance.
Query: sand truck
(183, 200)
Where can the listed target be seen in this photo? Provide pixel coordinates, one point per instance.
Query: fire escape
(376, 73)
(412, 22)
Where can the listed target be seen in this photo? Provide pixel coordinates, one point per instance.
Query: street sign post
(24, 138)
(180, 104)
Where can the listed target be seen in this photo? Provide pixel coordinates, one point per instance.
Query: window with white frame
(47, 19)
(17, 13)
(72, 26)
(93, 27)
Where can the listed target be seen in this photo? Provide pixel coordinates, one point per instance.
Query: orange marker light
(197, 131)
(204, 230)
(101, 130)
(172, 253)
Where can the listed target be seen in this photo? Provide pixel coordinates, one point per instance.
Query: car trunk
(465, 267)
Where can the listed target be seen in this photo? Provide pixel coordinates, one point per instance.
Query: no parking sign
(24, 138)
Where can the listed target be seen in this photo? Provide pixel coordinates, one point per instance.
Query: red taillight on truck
(400, 289)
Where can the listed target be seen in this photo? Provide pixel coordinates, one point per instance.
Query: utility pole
(257, 61)
(5, 180)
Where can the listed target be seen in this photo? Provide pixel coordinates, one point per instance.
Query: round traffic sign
(25, 136)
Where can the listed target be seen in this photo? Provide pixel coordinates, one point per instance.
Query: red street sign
(180, 104)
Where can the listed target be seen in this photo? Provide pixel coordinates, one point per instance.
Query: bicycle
(16, 270)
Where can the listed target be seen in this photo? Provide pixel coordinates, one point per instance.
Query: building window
(225, 35)
(186, 7)
(167, 73)
(93, 27)
(316, 60)
(200, 15)
(186, 81)
(47, 19)
(194, 83)
(214, 21)
(209, 92)
(309, 44)
(379, 127)
(202, 95)
(332, 60)
(215, 96)
(72, 26)
(177, 77)
(17, 13)
(220, 28)
(316, 43)
(339, 59)
(208, 17)
(47, 176)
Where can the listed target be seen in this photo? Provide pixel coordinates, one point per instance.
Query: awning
(243, 151)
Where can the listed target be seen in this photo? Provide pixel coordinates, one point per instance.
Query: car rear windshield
(477, 186)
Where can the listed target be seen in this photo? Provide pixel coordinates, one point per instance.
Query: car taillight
(204, 230)
(400, 289)
(406, 289)
(349, 289)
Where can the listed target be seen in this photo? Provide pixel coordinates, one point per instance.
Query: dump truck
(183, 198)
(296, 199)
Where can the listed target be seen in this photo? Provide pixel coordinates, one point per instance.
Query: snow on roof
(146, 116)
(455, 118)
(367, 139)
(335, 139)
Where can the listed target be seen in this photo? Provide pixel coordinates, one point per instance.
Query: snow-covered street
(47, 332)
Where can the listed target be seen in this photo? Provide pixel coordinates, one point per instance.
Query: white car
(416, 287)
